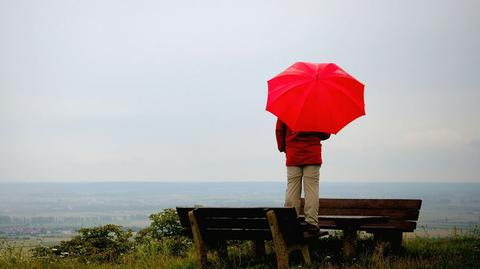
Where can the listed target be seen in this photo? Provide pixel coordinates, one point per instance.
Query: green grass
(455, 251)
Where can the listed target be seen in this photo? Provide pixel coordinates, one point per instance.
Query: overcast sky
(176, 90)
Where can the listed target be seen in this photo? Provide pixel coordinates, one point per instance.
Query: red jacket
(301, 148)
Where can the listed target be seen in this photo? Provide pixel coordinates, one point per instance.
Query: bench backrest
(184, 221)
(403, 213)
(233, 223)
(225, 223)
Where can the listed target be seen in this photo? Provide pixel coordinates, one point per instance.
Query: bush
(98, 244)
(166, 230)
(164, 224)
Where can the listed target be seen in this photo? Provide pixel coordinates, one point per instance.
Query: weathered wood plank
(281, 247)
(238, 234)
(369, 203)
(201, 247)
(231, 212)
(236, 223)
(406, 226)
(400, 214)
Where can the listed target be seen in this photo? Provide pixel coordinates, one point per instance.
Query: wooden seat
(210, 227)
(403, 215)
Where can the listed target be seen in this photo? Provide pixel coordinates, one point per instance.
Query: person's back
(303, 159)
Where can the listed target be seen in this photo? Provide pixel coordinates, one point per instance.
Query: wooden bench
(210, 227)
(403, 215)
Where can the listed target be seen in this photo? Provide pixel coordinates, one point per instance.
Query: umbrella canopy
(315, 97)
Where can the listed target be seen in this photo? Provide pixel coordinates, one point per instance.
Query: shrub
(98, 244)
(165, 224)
(166, 230)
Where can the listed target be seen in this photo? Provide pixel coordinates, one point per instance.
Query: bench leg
(392, 238)
(281, 249)
(258, 247)
(396, 241)
(201, 248)
(306, 254)
(282, 258)
(349, 243)
(222, 251)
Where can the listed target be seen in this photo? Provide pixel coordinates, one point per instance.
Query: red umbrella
(311, 97)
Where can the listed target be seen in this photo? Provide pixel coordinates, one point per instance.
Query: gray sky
(176, 90)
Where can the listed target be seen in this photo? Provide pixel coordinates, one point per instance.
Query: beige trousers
(310, 175)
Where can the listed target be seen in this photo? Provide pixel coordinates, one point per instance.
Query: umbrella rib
(347, 123)
(346, 93)
(332, 115)
(291, 73)
(303, 104)
(308, 67)
(287, 90)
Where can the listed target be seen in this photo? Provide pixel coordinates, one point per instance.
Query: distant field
(68, 206)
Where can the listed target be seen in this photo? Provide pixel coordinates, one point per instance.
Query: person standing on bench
(303, 152)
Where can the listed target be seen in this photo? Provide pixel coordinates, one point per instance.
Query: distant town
(12, 227)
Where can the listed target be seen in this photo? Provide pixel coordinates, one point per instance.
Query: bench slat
(406, 226)
(245, 234)
(246, 223)
(402, 214)
(369, 203)
(231, 212)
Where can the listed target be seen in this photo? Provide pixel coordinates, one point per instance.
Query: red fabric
(311, 97)
(301, 148)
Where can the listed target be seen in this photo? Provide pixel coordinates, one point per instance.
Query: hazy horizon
(444, 205)
(232, 181)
